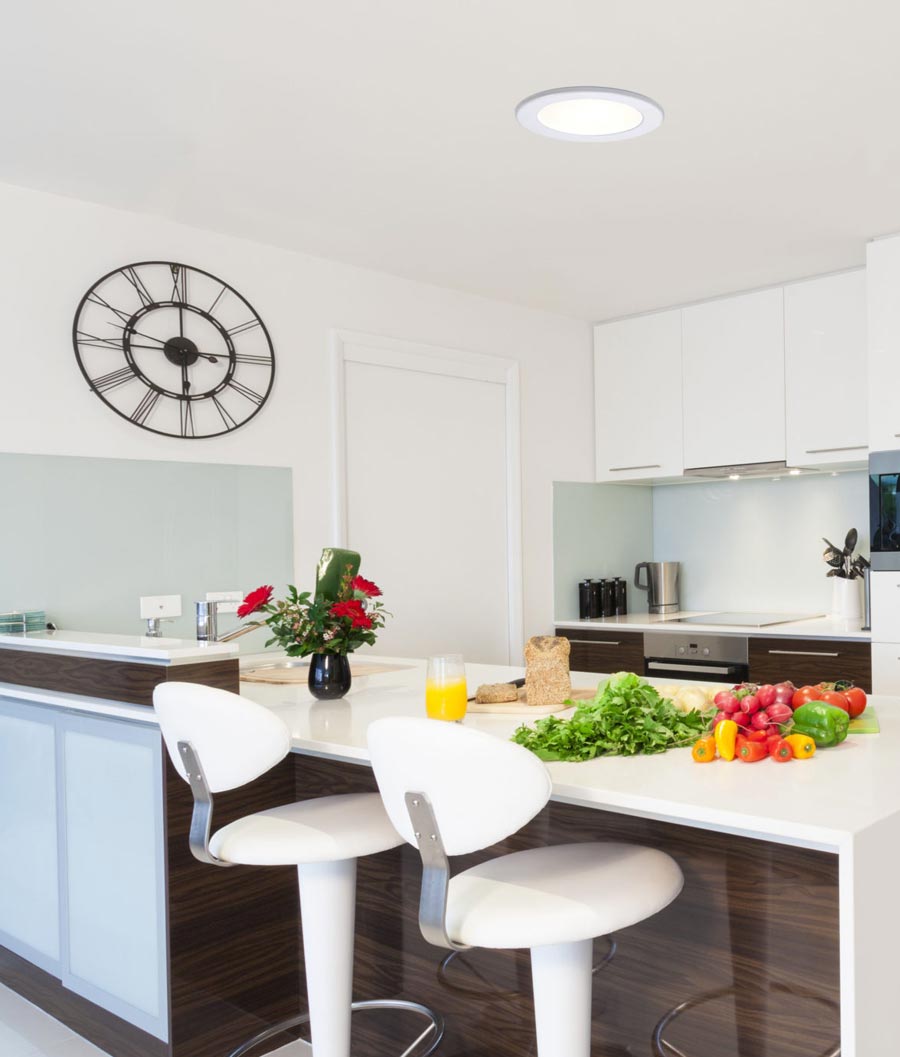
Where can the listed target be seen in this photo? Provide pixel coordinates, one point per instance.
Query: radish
(784, 693)
(741, 718)
(750, 704)
(760, 720)
(725, 701)
(779, 713)
(766, 695)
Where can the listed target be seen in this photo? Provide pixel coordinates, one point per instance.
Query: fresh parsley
(627, 717)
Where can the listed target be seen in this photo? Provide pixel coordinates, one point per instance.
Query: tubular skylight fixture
(589, 115)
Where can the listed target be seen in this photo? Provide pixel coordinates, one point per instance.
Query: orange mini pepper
(704, 751)
(802, 744)
(753, 751)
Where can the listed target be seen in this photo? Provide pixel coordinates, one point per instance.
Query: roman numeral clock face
(173, 349)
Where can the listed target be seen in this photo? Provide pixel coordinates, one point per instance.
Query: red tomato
(833, 697)
(805, 694)
(856, 699)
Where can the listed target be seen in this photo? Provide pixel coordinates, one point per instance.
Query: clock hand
(153, 348)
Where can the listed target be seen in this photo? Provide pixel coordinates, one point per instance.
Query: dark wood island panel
(111, 680)
(758, 916)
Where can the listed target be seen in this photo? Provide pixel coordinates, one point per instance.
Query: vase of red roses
(324, 629)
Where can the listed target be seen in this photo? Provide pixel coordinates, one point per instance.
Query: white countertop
(814, 628)
(138, 648)
(820, 803)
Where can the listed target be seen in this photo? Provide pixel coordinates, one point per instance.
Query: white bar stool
(450, 790)
(219, 741)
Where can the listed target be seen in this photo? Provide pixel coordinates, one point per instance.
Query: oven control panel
(678, 646)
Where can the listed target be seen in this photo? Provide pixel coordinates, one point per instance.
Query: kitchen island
(785, 914)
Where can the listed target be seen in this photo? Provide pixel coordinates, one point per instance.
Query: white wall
(53, 248)
(757, 545)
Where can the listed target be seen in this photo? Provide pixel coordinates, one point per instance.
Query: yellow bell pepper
(726, 736)
(802, 744)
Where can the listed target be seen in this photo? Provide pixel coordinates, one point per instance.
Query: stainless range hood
(747, 469)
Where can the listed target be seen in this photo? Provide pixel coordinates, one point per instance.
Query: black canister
(596, 598)
(608, 598)
(584, 599)
(621, 598)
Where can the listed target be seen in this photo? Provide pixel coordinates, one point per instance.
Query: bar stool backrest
(235, 739)
(480, 787)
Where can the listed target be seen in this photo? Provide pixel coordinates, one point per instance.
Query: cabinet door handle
(806, 653)
(849, 447)
(594, 642)
(622, 469)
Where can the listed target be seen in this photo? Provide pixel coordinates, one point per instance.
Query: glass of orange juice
(445, 687)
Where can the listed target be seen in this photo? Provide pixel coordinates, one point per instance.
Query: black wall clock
(173, 349)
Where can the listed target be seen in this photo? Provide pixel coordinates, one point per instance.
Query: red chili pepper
(757, 735)
(781, 751)
(753, 751)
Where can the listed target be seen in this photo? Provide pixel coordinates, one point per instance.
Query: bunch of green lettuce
(626, 717)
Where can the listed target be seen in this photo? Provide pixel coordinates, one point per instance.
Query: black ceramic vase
(329, 675)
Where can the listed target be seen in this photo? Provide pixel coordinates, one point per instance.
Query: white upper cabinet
(733, 354)
(883, 281)
(825, 370)
(637, 395)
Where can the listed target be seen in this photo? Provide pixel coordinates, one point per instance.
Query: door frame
(380, 351)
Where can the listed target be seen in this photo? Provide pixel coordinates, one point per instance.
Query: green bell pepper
(826, 724)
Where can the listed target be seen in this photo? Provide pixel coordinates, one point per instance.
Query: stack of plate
(24, 620)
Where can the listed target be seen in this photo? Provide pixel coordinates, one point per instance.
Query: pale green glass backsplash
(85, 538)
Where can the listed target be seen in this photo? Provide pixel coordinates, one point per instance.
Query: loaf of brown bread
(547, 679)
(496, 693)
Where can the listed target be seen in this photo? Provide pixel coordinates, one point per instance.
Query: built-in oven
(884, 527)
(700, 657)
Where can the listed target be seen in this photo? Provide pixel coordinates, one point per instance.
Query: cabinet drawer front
(810, 661)
(604, 651)
(885, 606)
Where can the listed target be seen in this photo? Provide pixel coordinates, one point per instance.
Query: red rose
(255, 600)
(364, 586)
(351, 609)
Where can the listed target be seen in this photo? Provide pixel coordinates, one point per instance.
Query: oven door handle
(706, 669)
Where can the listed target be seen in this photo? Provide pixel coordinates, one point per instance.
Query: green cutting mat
(867, 723)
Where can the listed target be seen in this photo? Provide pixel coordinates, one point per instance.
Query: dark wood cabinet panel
(604, 650)
(810, 661)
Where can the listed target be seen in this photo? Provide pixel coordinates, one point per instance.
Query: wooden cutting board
(522, 708)
(300, 674)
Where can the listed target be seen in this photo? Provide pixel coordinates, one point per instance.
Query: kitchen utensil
(661, 585)
(607, 598)
(584, 599)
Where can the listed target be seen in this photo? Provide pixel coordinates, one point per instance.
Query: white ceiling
(381, 132)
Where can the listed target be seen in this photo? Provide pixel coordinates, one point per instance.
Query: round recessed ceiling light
(589, 115)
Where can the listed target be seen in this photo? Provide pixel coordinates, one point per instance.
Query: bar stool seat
(219, 741)
(329, 828)
(559, 894)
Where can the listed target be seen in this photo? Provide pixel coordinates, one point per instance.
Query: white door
(637, 397)
(733, 355)
(883, 311)
(430, 499)
(825, 367)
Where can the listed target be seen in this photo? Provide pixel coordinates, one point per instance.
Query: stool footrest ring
(663, 1048)
(435, 1026)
